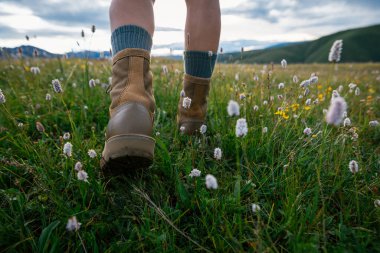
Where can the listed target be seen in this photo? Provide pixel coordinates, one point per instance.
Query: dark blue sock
(130, 36)
(199, 63)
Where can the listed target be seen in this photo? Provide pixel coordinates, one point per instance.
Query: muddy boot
(191, 115)
(129, 144)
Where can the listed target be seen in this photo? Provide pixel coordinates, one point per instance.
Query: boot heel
(128, 151)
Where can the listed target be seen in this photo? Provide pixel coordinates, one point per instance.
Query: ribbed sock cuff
(199, 63)
(130, 36)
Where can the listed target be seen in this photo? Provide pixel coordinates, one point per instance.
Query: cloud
(306, 13)
(260, 20)
(67, 13)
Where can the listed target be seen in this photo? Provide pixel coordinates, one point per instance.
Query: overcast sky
(55, 25)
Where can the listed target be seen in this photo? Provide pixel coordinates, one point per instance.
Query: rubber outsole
(124, 154)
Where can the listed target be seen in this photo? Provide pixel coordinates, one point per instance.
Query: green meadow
(306, 197)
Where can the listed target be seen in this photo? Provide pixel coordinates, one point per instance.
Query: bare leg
(132, 12)
(202, 31)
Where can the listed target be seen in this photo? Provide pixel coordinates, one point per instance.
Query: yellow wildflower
(307, 107)
(295, 107)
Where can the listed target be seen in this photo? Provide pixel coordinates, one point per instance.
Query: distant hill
(28, 51)
(89, 54)
(359, 45)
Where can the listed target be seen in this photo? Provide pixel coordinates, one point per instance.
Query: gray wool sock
(130, 36)
(199, 63)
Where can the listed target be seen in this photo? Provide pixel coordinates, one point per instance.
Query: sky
(56, 25)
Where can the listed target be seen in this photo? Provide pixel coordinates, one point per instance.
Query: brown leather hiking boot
(191, 117)
(129, 144)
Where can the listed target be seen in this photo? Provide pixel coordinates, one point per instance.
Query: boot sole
(123, 153)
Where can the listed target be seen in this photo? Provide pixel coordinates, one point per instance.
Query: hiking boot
(129, 144)
(192, 116)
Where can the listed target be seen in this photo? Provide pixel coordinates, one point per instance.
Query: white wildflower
(35, 70)
(182, 129)
(40, 127)
(20, 125)
(307, 131)
(347, 122)
(91, 153)
(186, 103)
(281, 85)
(295, 79)
(306, 92)
(374, 123)
(233, 108)
(237, 76)
(255, 208)
(377, 203)
(217, 153)
(353, 166)
(211, 182)
(305, 83)
(78, 166)
(357, 91)
(334, 94)
(241, 127)
(82, 175)
(280, 96)
(182, 94)
(195, 173)
(92, 83)
(336, 111)
(265, 102)
(284, 63)
(73, 224)
(203, 129)
(242, 96)
(256, 78)
(336, 51)
(313, 79)
(2, 97)
(308, 101)
(165, 69)
(57, 86)
(352, 86)
(67, 149)
(66, 136)
(255, 108)
(300, 97)
(265, 130)
(48, 97)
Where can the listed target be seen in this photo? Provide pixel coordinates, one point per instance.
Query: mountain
(89, 54)
(359, 45)
(27, 51)
(229, 46)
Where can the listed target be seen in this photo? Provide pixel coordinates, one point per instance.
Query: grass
(310, 201)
